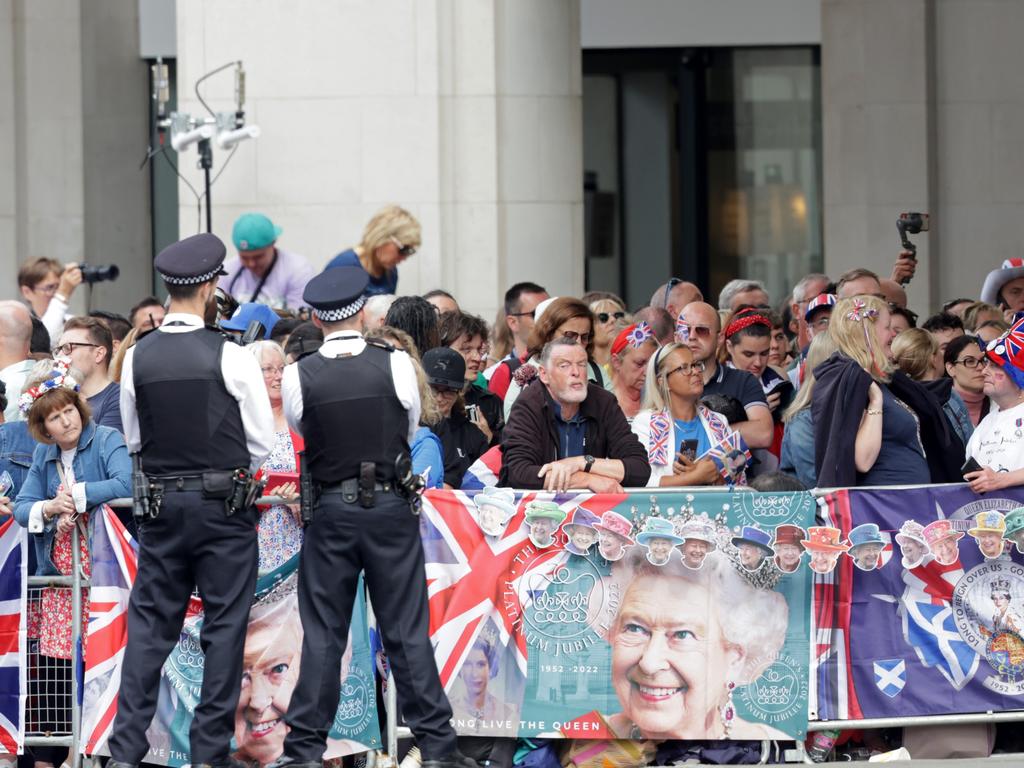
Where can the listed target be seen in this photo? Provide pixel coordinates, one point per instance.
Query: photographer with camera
(47, 287)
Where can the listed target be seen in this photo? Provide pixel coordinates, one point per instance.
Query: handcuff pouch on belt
(244, 490)
(146, 495)
(408, 484)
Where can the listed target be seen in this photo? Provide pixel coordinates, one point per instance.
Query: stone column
(877, 83)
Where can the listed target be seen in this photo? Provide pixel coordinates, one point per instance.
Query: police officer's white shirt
(243, 380)
(344, 343)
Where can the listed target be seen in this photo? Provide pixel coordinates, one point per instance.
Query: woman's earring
(728, 710)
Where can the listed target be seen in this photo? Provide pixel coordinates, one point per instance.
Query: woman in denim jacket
(77, 466)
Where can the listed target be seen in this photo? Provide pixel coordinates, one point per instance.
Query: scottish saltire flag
(483, 473)
(890, 676)
(114, 565)
(944, 636)
(13, 596)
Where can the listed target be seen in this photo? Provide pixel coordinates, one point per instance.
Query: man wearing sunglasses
(700, 329)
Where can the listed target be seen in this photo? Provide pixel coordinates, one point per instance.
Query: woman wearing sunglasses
(609, 319)
(564, 317)
(673, 427)
(390, 237)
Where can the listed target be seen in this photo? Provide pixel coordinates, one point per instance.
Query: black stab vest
(188, 422)
(350, 414)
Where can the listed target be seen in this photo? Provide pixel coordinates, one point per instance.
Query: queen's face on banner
(913, 552)
(611, 545)
(787, 557)
(823, 562)
(541, 529)
(659, 550)
(990, 544)
(581, 536)
(270, 670)
(694, 552)
(946, 550)
(676, 657)
(667, 651)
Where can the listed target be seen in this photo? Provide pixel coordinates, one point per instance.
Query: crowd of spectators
(835, 384)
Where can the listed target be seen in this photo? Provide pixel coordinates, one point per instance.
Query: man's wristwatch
(589, 462)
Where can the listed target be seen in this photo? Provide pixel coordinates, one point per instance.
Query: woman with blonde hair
(797, 454)
(873, 425)
(914, 352)
(674, 427)
(390, 237)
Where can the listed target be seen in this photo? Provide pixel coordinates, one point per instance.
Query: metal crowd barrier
(58, 709)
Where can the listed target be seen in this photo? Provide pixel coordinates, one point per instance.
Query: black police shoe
(455, 760)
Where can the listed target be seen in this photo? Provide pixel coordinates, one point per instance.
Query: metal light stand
(226, 128)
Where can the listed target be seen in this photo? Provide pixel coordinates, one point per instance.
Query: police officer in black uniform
(196, 410)
(357, 405)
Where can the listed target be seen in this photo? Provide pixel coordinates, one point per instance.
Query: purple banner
(923, 613)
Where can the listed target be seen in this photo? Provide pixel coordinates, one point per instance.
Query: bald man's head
(674, 298)
(15, 329)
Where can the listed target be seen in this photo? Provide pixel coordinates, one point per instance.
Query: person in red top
(521, 301)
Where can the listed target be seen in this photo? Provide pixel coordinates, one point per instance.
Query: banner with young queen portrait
(665, 616)
(925, 613)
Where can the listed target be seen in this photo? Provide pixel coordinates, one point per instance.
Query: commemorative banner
(273, 650)
(668, 616)
(919, 609)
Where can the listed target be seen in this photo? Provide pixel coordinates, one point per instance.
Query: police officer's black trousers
(384, 542)
(191, 543)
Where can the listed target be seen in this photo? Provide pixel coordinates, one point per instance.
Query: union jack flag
(114, 565)
(483, 473)
(13, 582)
(472, 577)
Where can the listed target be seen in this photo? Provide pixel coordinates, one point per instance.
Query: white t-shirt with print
(998, 440)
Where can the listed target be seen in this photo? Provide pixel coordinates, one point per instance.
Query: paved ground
(1017, 760)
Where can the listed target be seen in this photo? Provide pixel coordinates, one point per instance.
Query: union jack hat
(821, 301)
(1007, 351)
(997, 278)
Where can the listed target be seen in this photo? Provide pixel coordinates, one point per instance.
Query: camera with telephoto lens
(98, 274)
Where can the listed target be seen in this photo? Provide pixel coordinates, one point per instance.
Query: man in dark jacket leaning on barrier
(564, 432)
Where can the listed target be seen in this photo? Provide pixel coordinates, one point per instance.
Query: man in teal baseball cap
(262, 272)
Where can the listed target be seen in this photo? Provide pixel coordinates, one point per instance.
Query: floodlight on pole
(226, 128)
